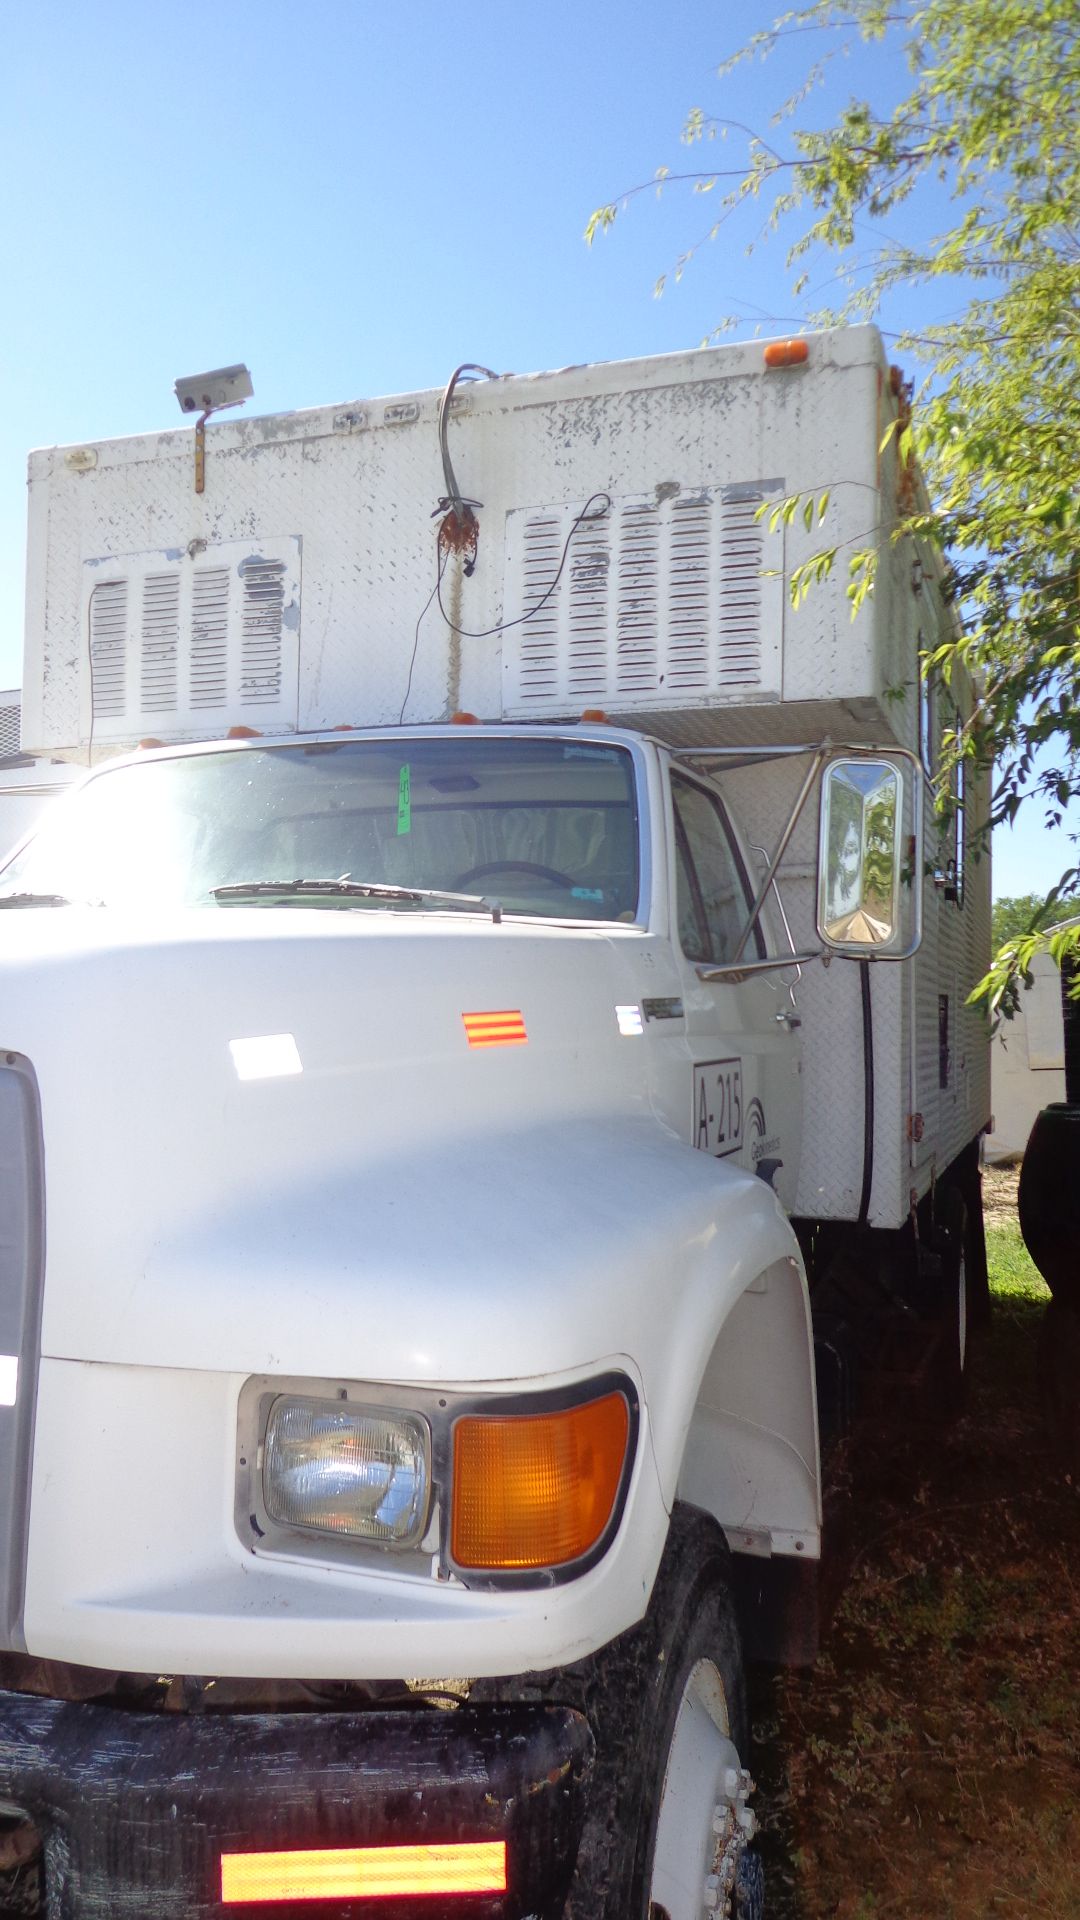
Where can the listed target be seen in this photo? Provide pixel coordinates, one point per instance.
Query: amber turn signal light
(536, 1490)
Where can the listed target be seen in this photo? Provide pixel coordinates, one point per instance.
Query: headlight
(361, 1472)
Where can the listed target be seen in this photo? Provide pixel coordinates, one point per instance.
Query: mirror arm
(781, 848)
(736, 970)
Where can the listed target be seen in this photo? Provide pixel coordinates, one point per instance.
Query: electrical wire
(504, 626)
(419, 624)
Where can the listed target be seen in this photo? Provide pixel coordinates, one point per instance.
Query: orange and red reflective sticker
(505, 1029)
(363, 1873)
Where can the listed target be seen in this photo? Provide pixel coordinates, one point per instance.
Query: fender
(514, 1261)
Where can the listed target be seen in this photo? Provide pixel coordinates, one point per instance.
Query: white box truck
(509, 1010)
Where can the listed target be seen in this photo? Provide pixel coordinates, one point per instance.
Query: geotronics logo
(761, 1143)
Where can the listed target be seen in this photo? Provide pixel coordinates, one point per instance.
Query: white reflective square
(630, 1021)
(9, 1379)
(266, 1057)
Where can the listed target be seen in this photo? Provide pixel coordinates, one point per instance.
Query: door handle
(788, 1020)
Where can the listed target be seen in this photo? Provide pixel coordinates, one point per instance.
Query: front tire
(671, 1820)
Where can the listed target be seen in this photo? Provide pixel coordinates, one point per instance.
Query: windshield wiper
(347, 889)
(33, 900)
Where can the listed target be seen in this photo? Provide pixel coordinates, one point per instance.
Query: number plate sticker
(718, 1107)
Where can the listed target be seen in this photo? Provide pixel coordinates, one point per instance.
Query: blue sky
(353, 198)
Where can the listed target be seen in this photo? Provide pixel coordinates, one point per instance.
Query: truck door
(744, 1097)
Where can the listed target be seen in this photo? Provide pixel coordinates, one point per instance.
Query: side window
(712, 897)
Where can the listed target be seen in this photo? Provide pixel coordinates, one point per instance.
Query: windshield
(543, 826)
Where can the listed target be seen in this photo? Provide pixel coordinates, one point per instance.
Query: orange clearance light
(595, 716)
(244, 733)
(505, 1029)
(464, 720)
(536, 1490)
(786, 353)
(363, 1873)
(145, 745)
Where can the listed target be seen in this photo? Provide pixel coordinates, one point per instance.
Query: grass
(1012, 1274)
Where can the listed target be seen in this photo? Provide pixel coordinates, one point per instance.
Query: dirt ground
(928, 1768)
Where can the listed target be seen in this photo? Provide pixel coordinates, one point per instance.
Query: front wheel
(671, 1821)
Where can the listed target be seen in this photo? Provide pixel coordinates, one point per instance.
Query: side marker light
(363, 1873)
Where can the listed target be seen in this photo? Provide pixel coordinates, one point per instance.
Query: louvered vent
(160, 641)
(186, 644)
(108, 647)
(664, 602)
(264, 606)
(209, 638)
(9, 729)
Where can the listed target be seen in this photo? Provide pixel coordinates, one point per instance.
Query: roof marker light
(595, 716)
(363, 1873)
(244, 733)
(786, 353)
(462, 719)
(630, 1021)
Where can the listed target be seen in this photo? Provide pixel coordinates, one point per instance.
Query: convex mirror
(859, 879)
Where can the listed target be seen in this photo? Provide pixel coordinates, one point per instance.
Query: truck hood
(353, 1214)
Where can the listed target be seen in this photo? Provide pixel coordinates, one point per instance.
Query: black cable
(416, 636)
(868, 1094)
(505, 625)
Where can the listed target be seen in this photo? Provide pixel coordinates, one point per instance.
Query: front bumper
(136, 1809)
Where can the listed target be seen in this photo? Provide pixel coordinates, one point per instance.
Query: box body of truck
(456, 1056)
(296, 595)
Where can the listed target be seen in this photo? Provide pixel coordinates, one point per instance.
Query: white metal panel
(1044, 1018)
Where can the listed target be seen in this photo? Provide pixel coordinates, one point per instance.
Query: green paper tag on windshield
(404, 802)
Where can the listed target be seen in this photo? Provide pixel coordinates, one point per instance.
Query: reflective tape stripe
(358, 1873)
(504, 1029)
(9, 1379)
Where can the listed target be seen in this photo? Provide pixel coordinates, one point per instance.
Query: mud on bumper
(135, 1810)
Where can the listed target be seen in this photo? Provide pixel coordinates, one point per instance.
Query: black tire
(688, 1638)
(1049, 1200)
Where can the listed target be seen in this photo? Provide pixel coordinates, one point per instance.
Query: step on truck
(486, 1084)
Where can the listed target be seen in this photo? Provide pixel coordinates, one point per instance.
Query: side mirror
(859, 864)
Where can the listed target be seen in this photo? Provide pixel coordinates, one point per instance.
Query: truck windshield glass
(546, 826)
